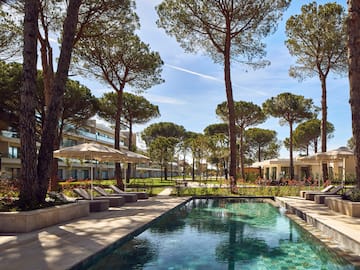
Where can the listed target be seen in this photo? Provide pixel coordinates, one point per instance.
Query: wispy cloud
(164, 99)
(195, 73)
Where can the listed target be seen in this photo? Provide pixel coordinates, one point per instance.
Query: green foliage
(200, 25)
(289, 108)
(308, 134)
(262, 144)
(120, 58)
(351, 143)
(10, 84)
(355, 195)
(246, 113)
(10, 35)
(80, 104)
(279, 191)
(162, 149)
(317, 37)
(226, 31)
(163, 129)
(138, 110)
(221, 128)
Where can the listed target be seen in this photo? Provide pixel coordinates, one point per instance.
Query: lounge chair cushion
(140, 195)
(129, 197)
(113, 200)
(334, 191)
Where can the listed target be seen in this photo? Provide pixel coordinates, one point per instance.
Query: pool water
(208, 234)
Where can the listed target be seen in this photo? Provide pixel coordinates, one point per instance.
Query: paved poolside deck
(64, 245)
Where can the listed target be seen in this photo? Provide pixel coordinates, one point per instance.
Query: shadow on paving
(66, 244)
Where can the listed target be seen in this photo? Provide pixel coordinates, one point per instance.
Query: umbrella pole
(92, 179)
(125, 178)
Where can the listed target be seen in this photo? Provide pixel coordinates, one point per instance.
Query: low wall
(27, 221)
(344, 207)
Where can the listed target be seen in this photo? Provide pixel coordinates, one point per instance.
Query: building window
(14, 152)
(69, 142)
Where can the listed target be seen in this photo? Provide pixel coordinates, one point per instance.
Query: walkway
(65, 245)
(165, 192)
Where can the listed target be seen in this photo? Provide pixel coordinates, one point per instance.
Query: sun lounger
(60, 197)
(113, 200)
(140, 195)
(320, 198)
(129, 197)
(94, 205)
(326, 189)
(333, 191)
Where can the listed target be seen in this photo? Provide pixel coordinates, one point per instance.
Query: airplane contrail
(195, 73)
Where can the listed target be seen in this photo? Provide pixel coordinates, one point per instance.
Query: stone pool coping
(65, 245)
(339, 232)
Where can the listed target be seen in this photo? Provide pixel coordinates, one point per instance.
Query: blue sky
(194, 84)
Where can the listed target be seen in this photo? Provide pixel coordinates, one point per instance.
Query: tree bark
(28, 181)
(291, 152)
(323, 124)
(230, 102)
(242, 169)
(53, 112)
(118, 174)
(54, 180)
(128, 173)
(354, 76)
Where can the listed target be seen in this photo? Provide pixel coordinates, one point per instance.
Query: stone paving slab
(63, 246)
(340, 229)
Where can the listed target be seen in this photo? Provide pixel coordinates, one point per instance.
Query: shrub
(354, 196)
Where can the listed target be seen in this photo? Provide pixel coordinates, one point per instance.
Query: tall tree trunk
(54, 180)
(128, 173)
(56, 103)
(291, 152)
(48, 69)
(354, 76)
(184, 166)
(28, 183)
(242, 169)
(118, 174)
(323, 124)
(230, 102)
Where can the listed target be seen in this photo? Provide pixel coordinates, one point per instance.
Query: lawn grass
(278, 191)
(154, 186)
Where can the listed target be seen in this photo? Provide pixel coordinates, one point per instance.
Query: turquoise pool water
(208, 234)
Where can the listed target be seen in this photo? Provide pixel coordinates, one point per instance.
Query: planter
(345, 207)
(27, 221)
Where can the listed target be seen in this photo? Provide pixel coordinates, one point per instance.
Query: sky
(194, 85)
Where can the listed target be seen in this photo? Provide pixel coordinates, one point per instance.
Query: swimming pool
(222, 234)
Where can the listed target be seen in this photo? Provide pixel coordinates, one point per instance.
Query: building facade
(340, 165)
(92, 131)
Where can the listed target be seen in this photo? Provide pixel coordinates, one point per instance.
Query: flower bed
(27, 221)
(345, 207)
